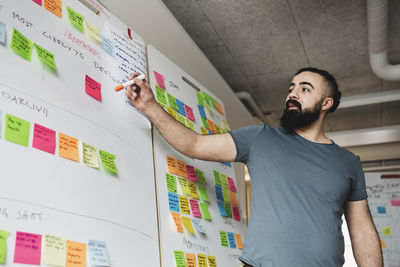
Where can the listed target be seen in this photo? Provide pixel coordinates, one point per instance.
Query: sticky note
(180, 258)
(108, 161)
(76, 254)
(218, 192)
(54, 250)
(203, 130)
(159, 79)
(160, 95)
(226, 194)
(180, 118)
(193, 190)
(189, 113)
(187, 222)
(16, 130)
(184, 204)
(219, 108)
(239, 242)
(93, 32)
(28, 248)
(46, 57)
(39, 2)
(203, 193)
(200, 175)
(199, 97)
(172, 101)
(395, 202)
(171, 182)
(387, 231)
(205, 123)
(44, 139)
(194, 206)
(190, 260)
(228, 210)
(383, 244)
(202, 112)
(172, 165)
(217, 128)
(171, 112)
(93, 88)
(231, 240)
(173, 200)
(178, 221)
(211, 126)
(234, 200)
(68, 147)
(184, 185)
(191, 173)
(204, 211)
(201, 260)
(3, 246)
(98, 254)
(197, 224)
(212, 261)
(21, 45)
(231, 183)
(381, 210)
(76, 19)
(181, 168)
(224, 238)
(217, 178)
(189, 124)
(54, 6)
(221, 208)
(90, 158)
(2, 33)
(225, 124)
(181, 107)
(108, 45)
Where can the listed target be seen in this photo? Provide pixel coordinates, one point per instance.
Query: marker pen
(130, 82)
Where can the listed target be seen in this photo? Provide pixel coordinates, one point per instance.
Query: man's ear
(327, 103)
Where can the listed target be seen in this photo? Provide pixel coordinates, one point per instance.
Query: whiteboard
(44, 193)
(170, 238)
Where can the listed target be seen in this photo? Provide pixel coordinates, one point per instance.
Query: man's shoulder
(346, 154)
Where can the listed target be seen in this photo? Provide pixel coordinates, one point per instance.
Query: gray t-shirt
(298, 191)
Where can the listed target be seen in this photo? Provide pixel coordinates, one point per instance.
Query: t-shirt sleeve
(358, 188)
(244, 138)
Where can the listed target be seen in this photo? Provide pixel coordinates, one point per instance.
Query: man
(302, 182)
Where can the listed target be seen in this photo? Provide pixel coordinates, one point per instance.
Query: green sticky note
(189, 124)
(108, 161)
(3, 246)
(225, 188)
(21, 45)
(224, 238)
(46, 57)
(203, 193)
(204, 211)
(180, 118)
(206, 99)
(172, 101)
(224, 181)
(16, 130)
(184, 186)
(213, 102)
(217, 178)
(180, 258)
(171, 182)
(205, 123)
(228, 210)
(200, 174)
(160, 95)
(200, 98)
(76, 19)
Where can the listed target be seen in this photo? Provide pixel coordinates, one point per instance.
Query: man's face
(304, 101)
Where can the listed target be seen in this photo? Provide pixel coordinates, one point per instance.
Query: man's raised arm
(218, 147)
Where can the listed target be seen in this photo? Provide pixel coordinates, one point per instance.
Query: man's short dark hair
(333, 90)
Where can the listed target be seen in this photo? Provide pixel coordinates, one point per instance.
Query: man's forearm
(367, 249)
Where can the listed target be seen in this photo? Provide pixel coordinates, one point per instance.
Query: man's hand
(140, 94)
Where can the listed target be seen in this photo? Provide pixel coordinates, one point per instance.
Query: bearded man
(302, 182)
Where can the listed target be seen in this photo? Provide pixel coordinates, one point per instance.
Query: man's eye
(306, 90)
(290, 90)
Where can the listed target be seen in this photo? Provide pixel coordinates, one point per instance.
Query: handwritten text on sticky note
(28, 248)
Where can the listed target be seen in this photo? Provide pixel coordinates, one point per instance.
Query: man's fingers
(133, 75)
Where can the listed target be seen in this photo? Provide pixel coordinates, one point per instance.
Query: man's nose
(293, 94)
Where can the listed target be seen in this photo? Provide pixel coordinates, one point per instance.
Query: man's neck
(314, 132)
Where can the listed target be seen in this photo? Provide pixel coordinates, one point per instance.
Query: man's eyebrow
(307, 83)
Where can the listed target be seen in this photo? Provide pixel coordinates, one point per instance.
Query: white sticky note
(98, 254)
(197, 224)
(2, 33)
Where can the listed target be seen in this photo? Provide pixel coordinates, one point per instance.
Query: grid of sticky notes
(225, 190)
(195, 199)
(231, 240)
(206, 103)
(183, 259)
(37, 249)
(17, 130)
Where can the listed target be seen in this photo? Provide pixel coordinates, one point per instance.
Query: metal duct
(247, 97)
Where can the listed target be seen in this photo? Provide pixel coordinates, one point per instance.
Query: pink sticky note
(189, 113)
(236, 214)
(395, 202)
(93, 88)
(191, 172)
(194, 206)
(44, 139)
(159, 79)
(39, 2)
(28, 248)
(232, 185)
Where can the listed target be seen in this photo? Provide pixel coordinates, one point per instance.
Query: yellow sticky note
(193, 190)
(239, 242)
(203, 130)
(93, 32)
(234, 199)
(387, 231)
(184, 204)
(178, 221)
(190, 260)
(54, 250)
(171, 112)
(76, 254)
(187, 222)
(172, 165)
(54, 6)
(202, 260)
(212, 261)
(90, 156)
(68, 147)
(184, 185)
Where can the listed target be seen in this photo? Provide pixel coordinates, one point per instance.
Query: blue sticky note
(98, 253)
(231, 239)
(221, 208)
(381, 210)
(181, 107)
(210, 133)
(173, 202)
(218, 192)
(227, 164)
(2, 33)
(202, 112)
(197, 224)
(108, 45)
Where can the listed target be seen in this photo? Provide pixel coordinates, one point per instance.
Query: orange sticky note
(190, 260)
(219, 108)
(54, 6)
(76, 254)
(182, 168)
(68, 147)
(383, 244)
(212, 126)
(178, 221)
(172, 165)
(187, 222)
(234, 200)
(184, 204)
(238, 239)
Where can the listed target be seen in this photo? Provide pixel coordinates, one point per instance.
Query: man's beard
(297, 119)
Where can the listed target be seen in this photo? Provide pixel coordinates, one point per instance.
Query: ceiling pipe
(247, 97)
(369, 99)
(377, 15)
